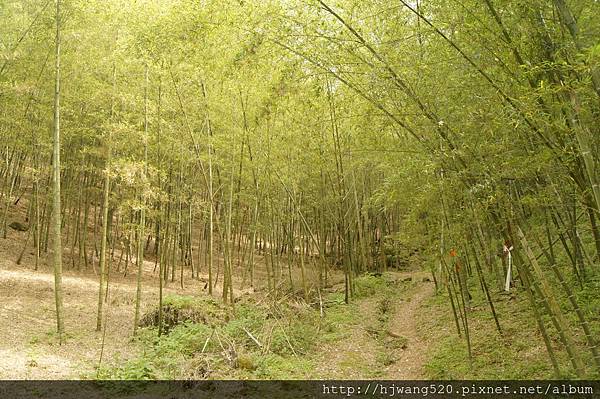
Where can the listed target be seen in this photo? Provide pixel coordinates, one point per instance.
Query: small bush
(185, 339)
(179, 309)
(251, 318)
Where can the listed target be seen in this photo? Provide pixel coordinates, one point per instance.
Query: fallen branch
(252, 337)
(287, 338)
(207, 340)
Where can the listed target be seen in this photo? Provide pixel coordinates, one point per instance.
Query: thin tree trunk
(56, 208)
(140, 248)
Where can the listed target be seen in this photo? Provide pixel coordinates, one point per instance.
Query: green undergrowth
(520, 353)
(258, 340)
(373, 284)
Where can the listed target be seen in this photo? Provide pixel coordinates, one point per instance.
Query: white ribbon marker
(509, 271)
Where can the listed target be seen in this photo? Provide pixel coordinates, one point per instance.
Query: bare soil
(409, 360)
(29, 347)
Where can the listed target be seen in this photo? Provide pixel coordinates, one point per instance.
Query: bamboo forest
(299, 189)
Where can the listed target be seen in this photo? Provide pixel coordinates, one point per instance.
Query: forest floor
(375, 336)
(29, 346)
(384, 341)
(394, 328)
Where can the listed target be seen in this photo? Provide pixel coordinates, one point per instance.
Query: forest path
(393, 351)
(409, 362)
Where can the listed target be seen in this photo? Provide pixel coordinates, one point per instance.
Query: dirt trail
(409, 361)
(359, 354)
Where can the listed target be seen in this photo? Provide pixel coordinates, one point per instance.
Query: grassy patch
(273, 366)
(369, 285)
(520, 353)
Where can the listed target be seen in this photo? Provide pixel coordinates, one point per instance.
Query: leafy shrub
(135, 369)
(185, 339)
(178, 309)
